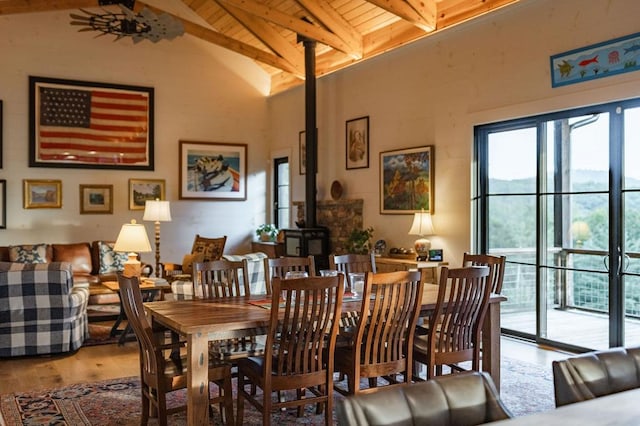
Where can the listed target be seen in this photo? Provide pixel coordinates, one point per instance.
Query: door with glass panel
(549, 195)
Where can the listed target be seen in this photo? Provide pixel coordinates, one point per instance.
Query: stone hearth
(340, 216)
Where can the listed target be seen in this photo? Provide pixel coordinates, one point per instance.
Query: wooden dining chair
(279, 266)
(222, 279)
(159, 374)
(297, 366)
(381, 346)
(453, 332)
(496, 266)
(349, 263)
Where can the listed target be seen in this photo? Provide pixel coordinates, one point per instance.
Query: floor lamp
(157, 211)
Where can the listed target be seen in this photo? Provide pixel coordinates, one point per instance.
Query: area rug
(526, 389)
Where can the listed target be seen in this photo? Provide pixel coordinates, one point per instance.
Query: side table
(392, 264)
(149, 293)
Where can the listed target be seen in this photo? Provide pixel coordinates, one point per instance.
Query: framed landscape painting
(42, 194)
(213, 171)
(82, 124)
(141, 190)
(96, 199)
(406, 180)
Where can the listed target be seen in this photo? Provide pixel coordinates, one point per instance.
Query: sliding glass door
(554, 194)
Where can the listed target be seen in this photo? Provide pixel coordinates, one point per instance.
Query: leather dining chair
(381, 343)
(298, 360)
(453, 332)
(279, 266)
(160, 374)
(222, 279)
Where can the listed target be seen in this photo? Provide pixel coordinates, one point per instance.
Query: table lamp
(157, 211)
(422, 226)
(133, 240)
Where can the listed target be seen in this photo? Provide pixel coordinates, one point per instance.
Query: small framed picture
(96, 199)
(357, 143)
(3, 204)
(141, 190)
(435, 255)
(42, 194)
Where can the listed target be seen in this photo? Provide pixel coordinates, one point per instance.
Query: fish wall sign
(596, 61)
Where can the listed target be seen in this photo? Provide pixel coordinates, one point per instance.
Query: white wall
(198, 97)
(434, 91)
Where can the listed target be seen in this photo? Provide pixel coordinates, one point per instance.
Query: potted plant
(359, 241)
(267, 232)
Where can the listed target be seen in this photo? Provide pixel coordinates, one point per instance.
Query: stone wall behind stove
(340, 216)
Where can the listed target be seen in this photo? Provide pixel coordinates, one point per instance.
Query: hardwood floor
(95, 363)
(88, 364)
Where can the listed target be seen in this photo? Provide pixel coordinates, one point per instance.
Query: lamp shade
(421, 224)
(132, 238)
(157, 211)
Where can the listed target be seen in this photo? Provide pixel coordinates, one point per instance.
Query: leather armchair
(463, 399)
(595, 374)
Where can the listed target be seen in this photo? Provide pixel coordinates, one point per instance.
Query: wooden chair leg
(240, 401)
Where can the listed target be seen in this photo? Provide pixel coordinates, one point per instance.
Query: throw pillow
(110, 260)
(189, 260)
(36, 253)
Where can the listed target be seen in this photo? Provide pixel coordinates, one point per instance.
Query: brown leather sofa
(84, 258)
(463, 399)
(595, 374)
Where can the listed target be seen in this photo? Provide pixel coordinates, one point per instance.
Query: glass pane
(632, 231)
(631, 148)
(581, 147)
(632, 310)
(512, 226)
(512, 161)
(518, 313)
(577, 308)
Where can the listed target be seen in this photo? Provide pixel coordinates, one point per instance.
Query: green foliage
(359, 241)
(268, 229)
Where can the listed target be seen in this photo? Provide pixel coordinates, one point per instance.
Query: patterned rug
(117, 401)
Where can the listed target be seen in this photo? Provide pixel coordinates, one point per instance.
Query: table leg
(491, 343)
(197, 379)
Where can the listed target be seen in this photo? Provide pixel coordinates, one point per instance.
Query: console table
(271, 249)
(392, 264)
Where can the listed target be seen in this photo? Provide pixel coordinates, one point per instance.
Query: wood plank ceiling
(347, 31)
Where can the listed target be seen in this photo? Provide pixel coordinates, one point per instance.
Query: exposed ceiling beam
(425, 21)
(227, 42)
(269, 37)
(292, 23)
(331, 19)
(8, 7)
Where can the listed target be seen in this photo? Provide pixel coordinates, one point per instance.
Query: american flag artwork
(77, 126)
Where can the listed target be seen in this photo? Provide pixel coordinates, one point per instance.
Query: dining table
(199, 321)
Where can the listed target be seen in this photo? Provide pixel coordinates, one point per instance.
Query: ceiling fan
(127, 23)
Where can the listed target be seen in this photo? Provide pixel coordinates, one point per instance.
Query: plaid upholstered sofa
(41, 311)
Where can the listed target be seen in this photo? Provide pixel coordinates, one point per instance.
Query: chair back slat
(131, 298)
(278, 268)
(349, 263)
(463, 299)
(390, 309)
(496, 266)
(220, 278)
(304, 326)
